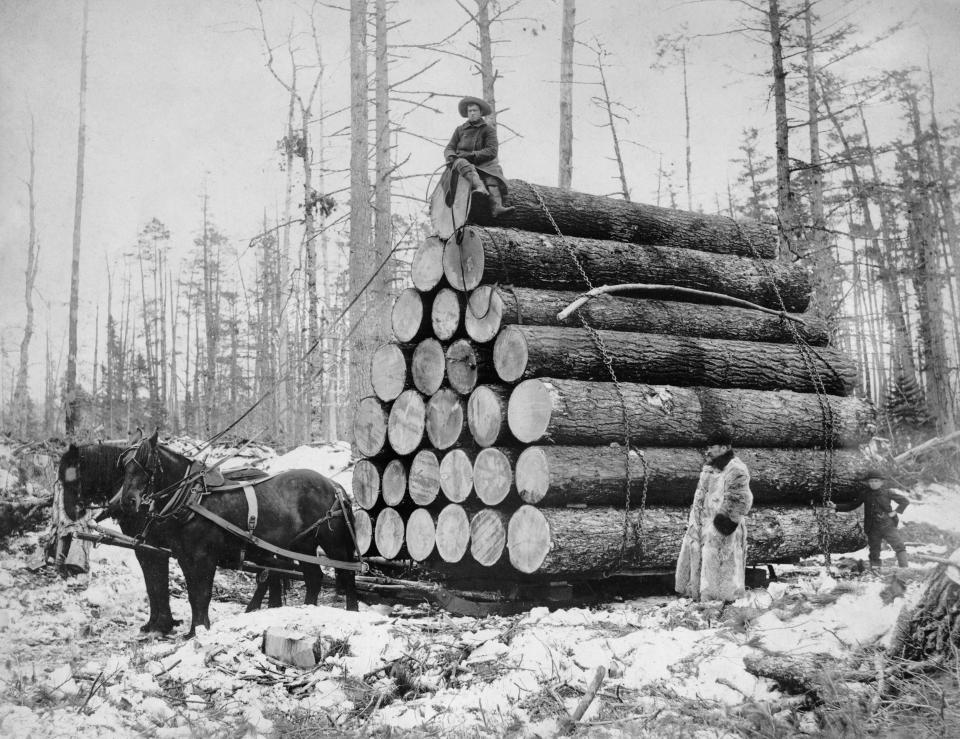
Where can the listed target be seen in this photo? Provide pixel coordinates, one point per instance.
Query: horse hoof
(148, 627)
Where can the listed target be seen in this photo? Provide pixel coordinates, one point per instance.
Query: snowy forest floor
(73, 661)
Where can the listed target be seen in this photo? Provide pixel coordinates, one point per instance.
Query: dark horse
(298, 510)
(91, 475)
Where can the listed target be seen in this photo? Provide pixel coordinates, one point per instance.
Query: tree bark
(525, 259)
(467, 364)
(786, 214)
(488, 536)
(389, 532)
(555, 476)
(453, 533)
(426, 271)
(522, 352)
(390, 371)
(487, 415)
(21, 392)
(370, 425)
(446, 419)
(423, 482)
(406, 422)
(427, 366)
(446, 313)
(410, 317)
(589, 414)
(491, 307)
(633, 223)
(421, 534)
(456, 475)
(565, 159)
(931, 629)
(558, 541)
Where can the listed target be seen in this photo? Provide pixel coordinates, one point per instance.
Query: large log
(555, 476)
(453, 533)
(487, 415)
(393, 482)
(426, 271)
(363, 530)
(574, 412)
(424, 479)
(389, 533)
(456, 475)
(427, 366)
(407, 421)
(421, 534)
(581, 214)
(410, 317)
(370, 424)
(467, 364)
(487, 255)
(366, 483)
(493, 474)
(557, 541)
(390, 370)
(446, 419)
(488, 536)
(522, 352)
(446, 315)
(490, 307)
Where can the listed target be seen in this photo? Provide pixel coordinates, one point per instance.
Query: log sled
(505, 442)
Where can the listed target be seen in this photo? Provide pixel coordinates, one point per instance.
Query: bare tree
(565, 177)
(610, 108)
(21, 393)
(70, 387)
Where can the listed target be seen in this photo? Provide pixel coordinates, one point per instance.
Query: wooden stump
(424, 479)
(931, 629)
(370, 424)
(522, 352)
(487, 415)
(453, 533)
(366, 484)
(493, 475)
(390, 370)
(491, 307)
(446, 419)
(468, 363)
(389, 533)
(556, 476)
(421, 535)
(363, 528)
(610, 218)
(555, 541)
(410, 318)
(523, 259)
(456, 475)
(428, 366)
(393, 482)
(446, 316)
(488, 536)
(573, 412)
(407, 421)
(427, 268)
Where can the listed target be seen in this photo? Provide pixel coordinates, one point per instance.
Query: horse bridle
(150, 470)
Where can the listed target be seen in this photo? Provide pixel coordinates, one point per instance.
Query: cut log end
(407, 317)
(427, 366)
(424, 481)
(488, 536)
(453, 533)
(389, 532)
(529, 410)
(407, 421)
(528, 539)
(446, 314)
(483, 314)
(363, 529)
(510, 354)
(486, 412)
(456, 475)
(421, 534)
(533, 474)
(492, 476)
(463, 262)
(462, 366)
(393, 483)
(427, 268)
(370, 427)
(366, 484)
(445, 418)
(389, 371)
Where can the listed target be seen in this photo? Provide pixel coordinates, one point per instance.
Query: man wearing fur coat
(713, 554)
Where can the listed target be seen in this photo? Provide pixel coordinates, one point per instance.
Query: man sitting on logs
(473, 150)
(880, 520)
(712, 561)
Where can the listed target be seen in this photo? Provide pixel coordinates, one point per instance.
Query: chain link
(608, 363)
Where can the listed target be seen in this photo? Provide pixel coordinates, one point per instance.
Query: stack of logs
(496, 442)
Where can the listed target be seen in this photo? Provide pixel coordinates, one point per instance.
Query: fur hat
(485, 108)
(873, 474)
(720, 437)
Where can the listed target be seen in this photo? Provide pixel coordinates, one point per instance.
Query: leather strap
(253, 511)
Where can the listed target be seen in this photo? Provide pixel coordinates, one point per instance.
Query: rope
(608, 363)
(808, 354)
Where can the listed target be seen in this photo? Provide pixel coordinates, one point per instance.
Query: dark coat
(877, 507)
(477, 143)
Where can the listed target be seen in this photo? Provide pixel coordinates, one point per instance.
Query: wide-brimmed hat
(720, 437)
(873, 474)
(485, 108)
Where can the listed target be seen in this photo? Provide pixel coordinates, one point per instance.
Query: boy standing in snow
(880, 520)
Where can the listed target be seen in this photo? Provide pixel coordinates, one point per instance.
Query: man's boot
(476, 183)
(497, 207)
(902, 560)
(874, 567)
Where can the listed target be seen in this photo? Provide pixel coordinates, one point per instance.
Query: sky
(180, 103)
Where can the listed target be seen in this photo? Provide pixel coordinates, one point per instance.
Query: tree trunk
(21, 393)
(406, 422)
(634, 223)
(390, 371)
(490, 307)
(487, 415)
(785, 198)
(488, 255)
(71, 420)
(370, 425)
(555, 476)
(456, 475)
(446, 419)
(428, 365)
(453, 533)
(468, 364)
(446, 313)
(488, 75)
(589, 414)
(522, 352)
(426, 272)
(557, 541)
(565, 176)
(424, 479)
(410, 317)
(421, 534)
(389, 532)
(488, 536)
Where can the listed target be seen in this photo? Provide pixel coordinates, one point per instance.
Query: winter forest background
(233, 191)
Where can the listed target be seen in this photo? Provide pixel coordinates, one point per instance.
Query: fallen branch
(591, 693)
(929, 444)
